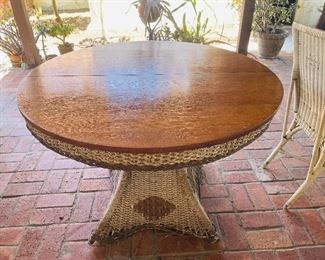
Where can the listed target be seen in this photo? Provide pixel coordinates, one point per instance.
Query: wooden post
(321, 22)
(246, 20)
(26, 33)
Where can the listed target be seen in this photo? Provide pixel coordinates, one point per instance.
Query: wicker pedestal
(157, 193)
(162, 200)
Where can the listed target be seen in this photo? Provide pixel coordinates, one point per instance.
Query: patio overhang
(33, 58)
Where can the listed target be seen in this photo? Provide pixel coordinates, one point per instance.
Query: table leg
(163, 200)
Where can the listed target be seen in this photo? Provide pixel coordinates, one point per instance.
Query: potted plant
(269, 17)
(165, 26)
(61, 31)
(10, 42)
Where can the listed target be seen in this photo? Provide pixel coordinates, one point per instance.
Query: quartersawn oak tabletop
(149, 97)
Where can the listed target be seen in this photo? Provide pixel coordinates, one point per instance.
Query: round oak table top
(149, 97)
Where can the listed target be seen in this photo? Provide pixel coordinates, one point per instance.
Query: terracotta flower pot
(270, 44)
(16, 59)
(149, 10)
(65, 48)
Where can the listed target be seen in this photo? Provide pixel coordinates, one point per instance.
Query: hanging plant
(149, 10)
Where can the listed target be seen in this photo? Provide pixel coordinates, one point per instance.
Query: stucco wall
(63, 5)
(309, 12)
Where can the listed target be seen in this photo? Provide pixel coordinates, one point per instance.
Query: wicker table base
(162, 200)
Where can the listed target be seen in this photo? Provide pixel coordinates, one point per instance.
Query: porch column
(26, 33)
(246, 20)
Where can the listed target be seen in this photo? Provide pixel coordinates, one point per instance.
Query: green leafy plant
(195, 32)
(10, 41)
(270, 15)
(60, 31)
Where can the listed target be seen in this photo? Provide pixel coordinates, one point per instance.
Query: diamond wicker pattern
(176, 206)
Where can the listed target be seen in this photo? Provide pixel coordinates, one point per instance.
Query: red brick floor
(49, 204)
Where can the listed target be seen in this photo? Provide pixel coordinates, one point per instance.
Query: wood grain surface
(149, 97)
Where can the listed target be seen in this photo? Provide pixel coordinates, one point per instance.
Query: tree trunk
(56, 12)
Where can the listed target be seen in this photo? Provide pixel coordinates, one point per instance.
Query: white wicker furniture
(308, 89)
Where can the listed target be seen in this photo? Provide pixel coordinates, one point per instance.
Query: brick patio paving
(49, 204)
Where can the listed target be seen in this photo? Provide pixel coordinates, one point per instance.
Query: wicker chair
(308, 88)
